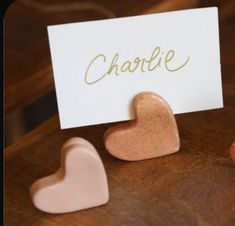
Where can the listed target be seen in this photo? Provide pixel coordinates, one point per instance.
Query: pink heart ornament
(80, 182)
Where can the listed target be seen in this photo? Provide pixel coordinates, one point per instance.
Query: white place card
(99, 66)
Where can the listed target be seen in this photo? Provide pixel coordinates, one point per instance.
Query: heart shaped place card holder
(81, 181)
(153, 132)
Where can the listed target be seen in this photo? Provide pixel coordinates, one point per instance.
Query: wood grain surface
(195, 186)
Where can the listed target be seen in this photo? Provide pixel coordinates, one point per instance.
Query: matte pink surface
(80, 183)
(153, 133)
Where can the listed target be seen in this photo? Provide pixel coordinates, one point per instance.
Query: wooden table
(195, 186)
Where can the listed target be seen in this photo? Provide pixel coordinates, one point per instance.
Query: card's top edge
(137, 16)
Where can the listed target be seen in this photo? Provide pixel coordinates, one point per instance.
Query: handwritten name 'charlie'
(157, 59)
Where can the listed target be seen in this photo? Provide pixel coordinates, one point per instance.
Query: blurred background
(29, 95)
